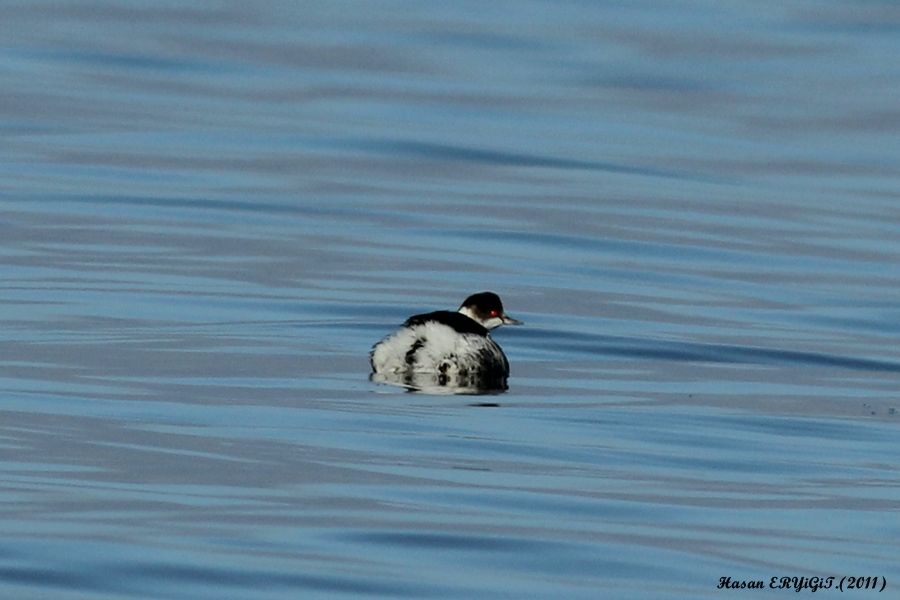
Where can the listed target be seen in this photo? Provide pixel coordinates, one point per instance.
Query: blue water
(209, 212)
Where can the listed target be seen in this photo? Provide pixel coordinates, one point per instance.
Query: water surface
(209, 214)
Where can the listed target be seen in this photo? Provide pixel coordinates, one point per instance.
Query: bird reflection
(444, 383)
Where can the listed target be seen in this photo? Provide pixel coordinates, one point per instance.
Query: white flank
(440, 349)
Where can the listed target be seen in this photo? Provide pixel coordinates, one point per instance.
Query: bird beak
(507, 320)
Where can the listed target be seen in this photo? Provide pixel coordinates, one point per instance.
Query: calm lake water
(210, 211)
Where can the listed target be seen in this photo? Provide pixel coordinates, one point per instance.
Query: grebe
(447, 348)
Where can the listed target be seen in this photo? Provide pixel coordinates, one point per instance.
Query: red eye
(495, 313)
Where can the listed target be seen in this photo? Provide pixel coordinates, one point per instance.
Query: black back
(458, 321)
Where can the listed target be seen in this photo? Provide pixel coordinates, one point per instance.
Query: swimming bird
(447, 348)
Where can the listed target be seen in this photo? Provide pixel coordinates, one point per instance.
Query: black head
(487, 309)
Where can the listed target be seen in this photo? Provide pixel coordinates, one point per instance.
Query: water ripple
(444, 152)
(567, 342)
